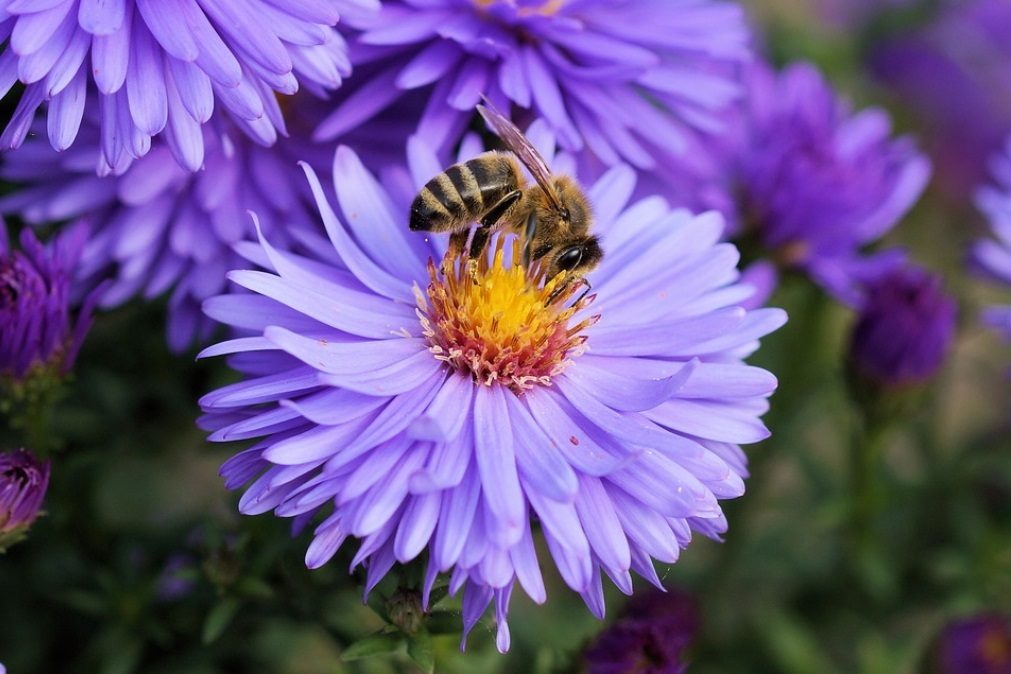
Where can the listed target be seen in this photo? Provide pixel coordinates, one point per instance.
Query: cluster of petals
(158, 227)
(815, 181)
(904, 329)
(992, 256)
(159, 67)
(951, 72)
(624, 81)
(359, 428)
(23, 483)
(37, 325)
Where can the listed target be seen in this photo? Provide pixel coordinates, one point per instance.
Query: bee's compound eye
(564, 214)
(570, 258)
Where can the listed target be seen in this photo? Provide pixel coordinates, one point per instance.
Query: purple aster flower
(23, 483)
(904, 329)
(813, 181)
(37, 330)
(159, 227)
(152, 67)
(978, 644)
(992, 257)
(629, 80)
(427, 404)
(954, 75)
(649, 638)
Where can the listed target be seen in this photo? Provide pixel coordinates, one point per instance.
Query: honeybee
(553, 214)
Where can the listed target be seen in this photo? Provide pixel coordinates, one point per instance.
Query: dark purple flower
(625, 80)
(37, 328)
(813, 181)
(447, 408)
(159, 227)
(954, 76)
(23, 483)
(649, 638)
(904, 329)
(978, 644)
(158, 67)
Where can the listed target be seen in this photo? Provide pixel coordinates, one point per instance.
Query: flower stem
(866, 495)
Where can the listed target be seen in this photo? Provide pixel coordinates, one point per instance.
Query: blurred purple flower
(159, 227)
(991, 257)
(629, 80)
(23, 483)
(436, 410)
(904, 329)
(148, 67)
(813, 181)
(649, 638)
(954, 77)
(978, 644)
(37, 330)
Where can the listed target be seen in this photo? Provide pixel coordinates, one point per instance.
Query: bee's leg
(480, 240)
(489, 219)
(529, 238)
(560, 289)
(458, 241)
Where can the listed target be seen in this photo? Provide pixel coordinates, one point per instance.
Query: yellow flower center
(501, 323)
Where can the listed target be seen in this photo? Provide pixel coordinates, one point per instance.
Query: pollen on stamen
(499, 322)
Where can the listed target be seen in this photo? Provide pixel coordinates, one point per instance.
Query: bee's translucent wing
(518, 144)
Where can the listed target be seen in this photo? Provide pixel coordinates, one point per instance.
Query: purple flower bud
(904, 329)
(36, 330)
(23, 482)
(978, 644)
(650, 638)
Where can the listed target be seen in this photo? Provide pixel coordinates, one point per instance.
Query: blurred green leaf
(382, 643)
(377, 603)
(219, 618)
(419, 647)
(443, 622)
(793, 645)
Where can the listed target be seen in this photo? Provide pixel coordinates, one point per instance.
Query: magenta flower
(427, 405)
(23, 483)
(979, 644)
(38, 330)
(650, 637)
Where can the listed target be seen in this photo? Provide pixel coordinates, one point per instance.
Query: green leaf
(419, 647)
(437, 595)
(444, 622)
(378, 604)
(381, 643)
(219, 618)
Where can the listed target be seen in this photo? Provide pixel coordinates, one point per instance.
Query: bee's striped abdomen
(463, 193)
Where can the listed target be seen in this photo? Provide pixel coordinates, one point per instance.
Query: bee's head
(572, 217)
(575, 256)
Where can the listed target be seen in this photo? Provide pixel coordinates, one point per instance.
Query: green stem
(866, 490)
